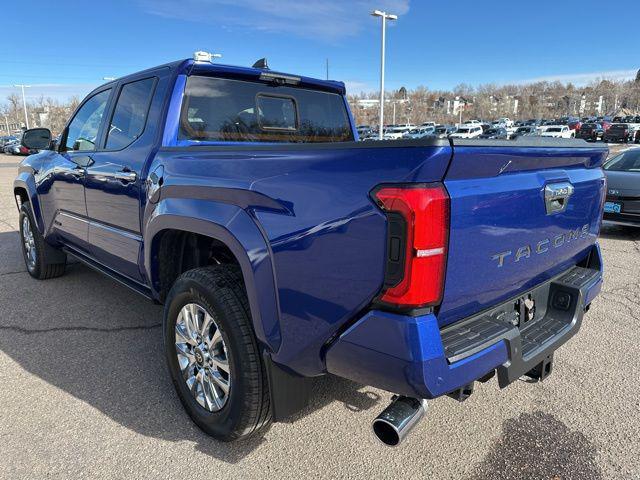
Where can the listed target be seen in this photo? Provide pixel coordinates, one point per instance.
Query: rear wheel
(41, 259)
(213, 356)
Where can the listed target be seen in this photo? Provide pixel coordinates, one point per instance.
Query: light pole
(24, 104)
(385, 16)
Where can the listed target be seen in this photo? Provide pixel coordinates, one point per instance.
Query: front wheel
(213, 356)
(41, 259)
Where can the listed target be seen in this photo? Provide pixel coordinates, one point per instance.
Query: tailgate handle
(556, 197)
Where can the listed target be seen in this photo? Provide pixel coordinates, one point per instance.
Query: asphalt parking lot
(85, 394)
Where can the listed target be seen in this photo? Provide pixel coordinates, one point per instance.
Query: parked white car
(467, 131)
(506, 122)
(557, 131)
(394, 133)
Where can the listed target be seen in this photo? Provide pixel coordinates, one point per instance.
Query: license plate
(611, 207)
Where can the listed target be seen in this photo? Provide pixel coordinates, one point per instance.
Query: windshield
(463, 130)
(625, 162)
(554, 129)
(220, 109)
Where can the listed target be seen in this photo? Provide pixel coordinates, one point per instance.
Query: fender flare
(25, 181)
(234, 227)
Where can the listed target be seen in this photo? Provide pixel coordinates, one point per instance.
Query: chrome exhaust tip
(396, 421)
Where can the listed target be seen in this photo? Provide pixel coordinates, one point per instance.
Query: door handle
(126, 176)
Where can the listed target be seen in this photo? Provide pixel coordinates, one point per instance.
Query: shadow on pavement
(538, 445)
(620, 232)
(101, 343)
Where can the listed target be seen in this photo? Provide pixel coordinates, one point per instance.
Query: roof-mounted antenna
(261, 64)
(201, 56)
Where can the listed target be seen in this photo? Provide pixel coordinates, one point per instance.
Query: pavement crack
(12, 273)
(623, 289)
(628, 308)
(8, 225)
(33, 331)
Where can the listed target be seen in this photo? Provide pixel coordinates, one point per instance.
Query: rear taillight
(417, 239)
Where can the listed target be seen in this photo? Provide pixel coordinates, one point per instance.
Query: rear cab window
(228, 110)
(619, 126)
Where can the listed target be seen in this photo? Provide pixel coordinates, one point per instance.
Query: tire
(41, 259)
(219, 291)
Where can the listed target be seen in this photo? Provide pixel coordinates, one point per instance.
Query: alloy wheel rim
(29, 243)
(202, 357)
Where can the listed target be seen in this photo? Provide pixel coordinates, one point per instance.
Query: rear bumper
(615, 138)
(588, 136)
(624, 219)
(413, 356)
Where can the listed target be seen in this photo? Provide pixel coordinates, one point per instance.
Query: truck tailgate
(507, 235)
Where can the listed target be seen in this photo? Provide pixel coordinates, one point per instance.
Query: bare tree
(487, 102)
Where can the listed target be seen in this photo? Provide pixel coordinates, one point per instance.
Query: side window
(130, 114)
(84, 127)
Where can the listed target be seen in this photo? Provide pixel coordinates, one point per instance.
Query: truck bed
(327, 236)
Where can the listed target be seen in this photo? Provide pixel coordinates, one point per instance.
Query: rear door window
(130, 115)
(220, 109)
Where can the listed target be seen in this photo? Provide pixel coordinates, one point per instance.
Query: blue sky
(67, 47)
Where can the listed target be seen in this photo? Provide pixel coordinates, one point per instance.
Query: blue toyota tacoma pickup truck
(283, 249)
